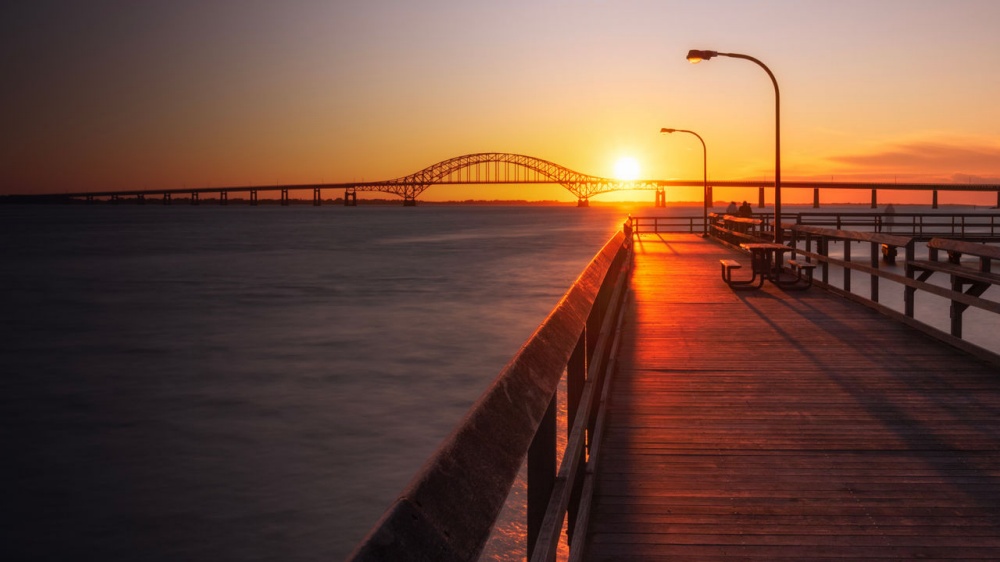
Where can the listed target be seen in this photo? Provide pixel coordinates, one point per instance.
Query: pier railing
(648, 225)
(922, 226)
(967, 281)
(448, 510)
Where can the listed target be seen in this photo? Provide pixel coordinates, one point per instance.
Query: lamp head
(696, 56)
(666, 130)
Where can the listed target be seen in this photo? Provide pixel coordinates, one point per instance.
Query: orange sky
(126, 95)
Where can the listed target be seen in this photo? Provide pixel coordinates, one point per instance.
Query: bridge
(706, 423)
(496, 168)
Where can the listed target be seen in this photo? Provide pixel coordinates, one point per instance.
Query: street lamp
(704, 167)
(696, 56)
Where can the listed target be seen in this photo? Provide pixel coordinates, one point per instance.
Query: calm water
(206, 383)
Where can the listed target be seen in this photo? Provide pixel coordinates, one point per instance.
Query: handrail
(923, 226)
(979, 279)
(447, 511)
(654, 224)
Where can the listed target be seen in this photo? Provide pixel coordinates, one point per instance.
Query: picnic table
(767, 263)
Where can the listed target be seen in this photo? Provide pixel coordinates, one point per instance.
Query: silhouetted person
(731, 209)
(745, 210)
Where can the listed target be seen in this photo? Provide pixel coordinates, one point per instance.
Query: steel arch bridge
(500, 168)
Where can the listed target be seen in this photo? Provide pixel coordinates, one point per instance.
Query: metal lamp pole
(704, 165)
(694, 57)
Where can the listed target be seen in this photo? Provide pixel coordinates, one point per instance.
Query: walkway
(772, 425)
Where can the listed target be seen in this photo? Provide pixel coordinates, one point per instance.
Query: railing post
(908, 291)
(874, 264)
(847, 267)
(541, 473)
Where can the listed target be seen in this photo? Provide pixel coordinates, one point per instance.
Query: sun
(627, 168)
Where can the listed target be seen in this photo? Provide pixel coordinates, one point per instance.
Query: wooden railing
(447, 511)
(814, 243)
(922, 226)
(648, 225)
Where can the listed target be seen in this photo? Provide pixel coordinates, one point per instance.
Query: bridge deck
(788, 425)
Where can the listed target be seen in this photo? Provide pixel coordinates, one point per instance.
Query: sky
(124, 94)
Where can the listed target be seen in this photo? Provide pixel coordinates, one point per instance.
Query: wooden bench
(727, 275)
(799, 266)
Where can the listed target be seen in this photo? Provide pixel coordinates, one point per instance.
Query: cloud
(945, 159)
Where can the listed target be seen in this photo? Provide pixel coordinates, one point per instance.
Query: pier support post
(760, 197)
(874, 198)
(253, 197)
(541, 473)
(284, 197)
(815, 198)
(934, 200)
(317, 198)
(583, 202)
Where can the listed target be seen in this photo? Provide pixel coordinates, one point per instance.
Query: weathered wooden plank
(769, 425)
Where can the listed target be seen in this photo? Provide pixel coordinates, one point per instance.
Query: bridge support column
(350, 198)
(709, 199)
(317, 198)
(661, 198)
(194, 197)
(998, 200)
(114, 199)
(760, 197)
(934, 200)
(284, 197)
(409, 200)
(140, 199)
(874, 198)
(223, 198)
(583, 202)
(815, 198)
(253, 197)
(166, 198)
(90, 199)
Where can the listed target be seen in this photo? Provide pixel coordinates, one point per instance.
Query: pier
(709, 423)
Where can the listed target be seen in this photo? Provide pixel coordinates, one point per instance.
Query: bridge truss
(501, 168)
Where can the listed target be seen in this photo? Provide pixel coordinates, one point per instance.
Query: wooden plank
(788, 425)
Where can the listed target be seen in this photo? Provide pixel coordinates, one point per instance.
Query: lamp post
(694, 57)
(704, 169)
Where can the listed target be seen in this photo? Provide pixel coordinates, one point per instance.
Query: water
(238, 383)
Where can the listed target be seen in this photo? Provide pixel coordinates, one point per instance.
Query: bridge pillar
(874, 198)
(194, 197)
(709, 199)
(114, 199)
(815, 198)
(284, 197)
(934, 201)
(317, 199)
(760, 197)
(166, 198)
(350, 198)
(223, 198)
(253, 197)
(998, 199)
(583, 202)
(140, 199)
(409, 201)
(661, 198)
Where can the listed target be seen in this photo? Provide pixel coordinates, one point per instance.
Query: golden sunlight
(627, 168)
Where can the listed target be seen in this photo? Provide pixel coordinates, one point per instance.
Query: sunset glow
(303, 92)
(627, 168)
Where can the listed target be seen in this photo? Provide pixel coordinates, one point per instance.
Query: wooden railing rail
(447, 512)
(979, 279)
(922, 226)
(646, 225)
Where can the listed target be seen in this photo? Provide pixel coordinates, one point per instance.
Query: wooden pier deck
(788, 426)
